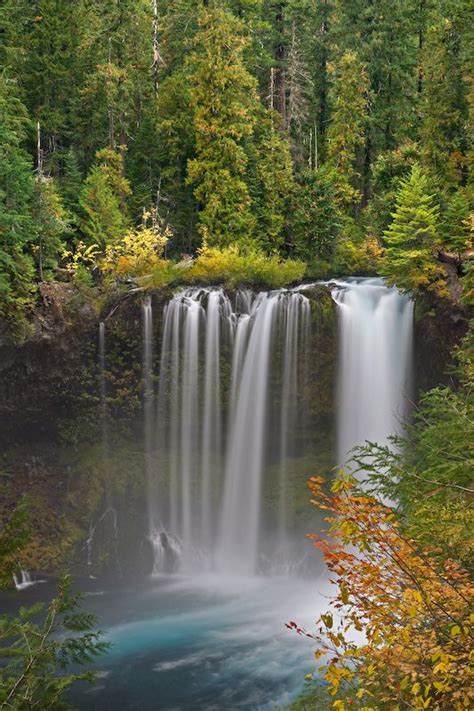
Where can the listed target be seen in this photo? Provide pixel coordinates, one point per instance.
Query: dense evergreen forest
(335, 133)
(150, 144)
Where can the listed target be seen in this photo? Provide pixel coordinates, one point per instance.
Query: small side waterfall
(148, 398)
(376, 326)
(25, 580)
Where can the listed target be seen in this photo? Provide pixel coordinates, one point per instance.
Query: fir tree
(17, 228)
(412, 237)
(102, 200)
(225, 102)
(445, 111)
(271, 172)
(71, 183)
(347, 131)
(52, 226)
(456, 225)
(316, 221)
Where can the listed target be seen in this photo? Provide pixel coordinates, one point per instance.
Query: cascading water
(211, 445)
(148, 397)
(296, 321)
(237, 547)
(376, 325)
(230, 406)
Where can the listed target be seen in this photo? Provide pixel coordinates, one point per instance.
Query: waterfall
(213, 438)
(296, 325)
(232, 408)
(25, 580)
(103, 396)
(211, 430)
(148, 397)
(237, 550)
(376, 325)
(105, 445)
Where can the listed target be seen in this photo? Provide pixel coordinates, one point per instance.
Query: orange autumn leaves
(399, 635)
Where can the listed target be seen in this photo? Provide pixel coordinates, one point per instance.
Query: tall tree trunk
(322, 119)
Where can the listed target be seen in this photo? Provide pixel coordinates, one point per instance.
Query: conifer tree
(46, 57)
(102, 200)
(71, 183)
(347, 131)
(445, 110)
(225, 104)
(52, 226)
(456, 225)
(119, 45)
(271, 172)
(17, 228)
(412, 237)
(316, 221)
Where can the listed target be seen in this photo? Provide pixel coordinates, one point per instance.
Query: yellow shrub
(139, 250)
(233, 267)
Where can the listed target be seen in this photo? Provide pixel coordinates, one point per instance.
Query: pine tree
(176, 147)
(45, 56)
(456, 225)
(445, 111)
(316, 221)
(102, 200)
(412, 237)
(17, 228)
(52, 226)
(71, 183)
(347, 131)
(225, 105)
(270, 179)
(119, 46)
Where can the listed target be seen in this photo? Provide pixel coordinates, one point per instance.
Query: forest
(173, 172)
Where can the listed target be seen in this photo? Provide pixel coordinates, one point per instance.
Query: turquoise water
(182, 644)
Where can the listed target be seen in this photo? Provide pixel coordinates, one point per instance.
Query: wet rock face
(439, 329)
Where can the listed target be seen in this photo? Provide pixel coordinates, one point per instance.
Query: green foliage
(102, 200)
(412, 237)
(17, 228)
(387, 171)
(37, 653)
(430, 471)
(456, 225)
(356, 254)
(52, 224)
(316, 221)
(35, 649)
(209, 112)
(274, 183)
(316, 696)
(14, 534)
(225, 100)
(346, 133)
(445, 109)
(71, 184)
